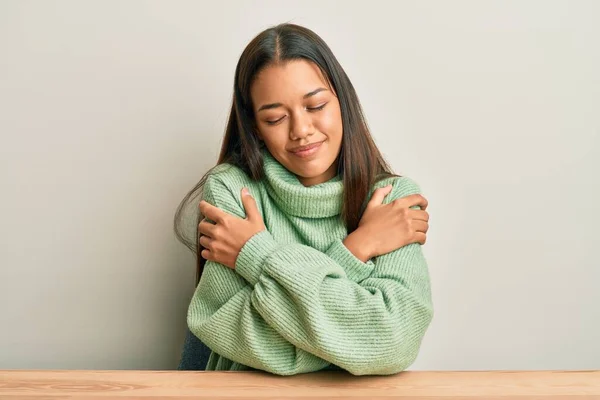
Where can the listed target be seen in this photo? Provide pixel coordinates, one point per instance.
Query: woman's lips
(309, 151)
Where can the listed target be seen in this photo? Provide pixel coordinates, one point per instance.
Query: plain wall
(111, 111)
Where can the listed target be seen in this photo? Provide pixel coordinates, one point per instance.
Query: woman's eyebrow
(275, 105)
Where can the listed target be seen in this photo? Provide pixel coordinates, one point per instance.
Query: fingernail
(245, 192)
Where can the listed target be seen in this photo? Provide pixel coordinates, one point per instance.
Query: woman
(319, 265)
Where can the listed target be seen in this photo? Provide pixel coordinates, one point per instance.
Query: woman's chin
(310, 170)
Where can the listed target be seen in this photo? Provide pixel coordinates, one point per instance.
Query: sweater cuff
(250, 262)
(355, 269)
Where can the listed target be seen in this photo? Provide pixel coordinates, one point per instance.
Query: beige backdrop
(110, 111)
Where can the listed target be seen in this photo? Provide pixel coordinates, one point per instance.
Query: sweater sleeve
(222, 315)
(355, 269)
(374, 327)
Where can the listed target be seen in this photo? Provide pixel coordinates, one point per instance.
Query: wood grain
(153, 385)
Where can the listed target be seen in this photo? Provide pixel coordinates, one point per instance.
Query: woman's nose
(301, 126)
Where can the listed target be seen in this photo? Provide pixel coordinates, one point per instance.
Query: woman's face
(294, 107)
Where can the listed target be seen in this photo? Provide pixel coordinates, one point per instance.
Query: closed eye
(312, 109)
(274, 122)
(319, 108)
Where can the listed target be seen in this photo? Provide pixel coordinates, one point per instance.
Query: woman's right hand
(384, 228)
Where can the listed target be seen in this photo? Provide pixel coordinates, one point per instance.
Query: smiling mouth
(308, 150)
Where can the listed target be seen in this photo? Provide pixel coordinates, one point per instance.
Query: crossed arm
(290, 309)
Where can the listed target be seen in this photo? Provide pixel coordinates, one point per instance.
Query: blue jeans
(194, 355)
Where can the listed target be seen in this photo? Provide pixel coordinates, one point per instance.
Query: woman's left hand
(224, 239)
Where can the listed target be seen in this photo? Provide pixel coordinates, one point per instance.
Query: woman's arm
(372, 327)
(223, 317)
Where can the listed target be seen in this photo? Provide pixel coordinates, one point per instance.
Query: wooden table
(153, 385)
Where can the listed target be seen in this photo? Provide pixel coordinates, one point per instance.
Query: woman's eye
(317, 108)
(274, 122)
(312, 109)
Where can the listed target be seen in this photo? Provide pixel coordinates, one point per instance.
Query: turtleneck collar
(292, 197)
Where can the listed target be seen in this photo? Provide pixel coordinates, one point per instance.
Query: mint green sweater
(299, 300)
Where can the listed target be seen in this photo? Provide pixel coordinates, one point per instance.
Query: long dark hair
(360, 162)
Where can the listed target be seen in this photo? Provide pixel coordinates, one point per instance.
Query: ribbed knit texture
(299, 300)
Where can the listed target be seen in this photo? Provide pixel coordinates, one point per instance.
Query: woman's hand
(384, 228)
(224, 239)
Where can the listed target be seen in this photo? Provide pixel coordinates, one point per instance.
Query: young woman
(309, 254)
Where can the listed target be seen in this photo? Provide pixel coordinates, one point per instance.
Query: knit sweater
(298, 300)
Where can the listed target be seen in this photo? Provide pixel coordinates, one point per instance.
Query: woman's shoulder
(227, 172)
(402, 186)
(230, 176)
(223, 187)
